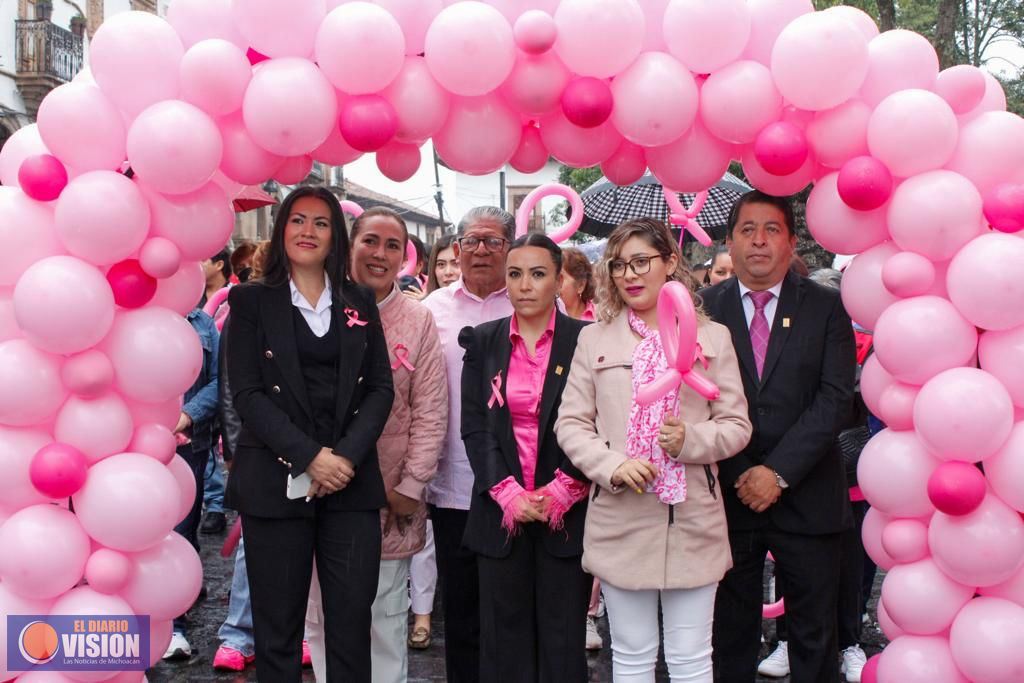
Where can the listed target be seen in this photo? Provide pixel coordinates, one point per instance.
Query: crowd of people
(477, 426)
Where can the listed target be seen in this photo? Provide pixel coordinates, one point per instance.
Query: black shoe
(214, 523)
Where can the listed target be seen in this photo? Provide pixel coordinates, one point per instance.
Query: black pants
(460, 595)
(808, 567)
(189, 527)
(279, 562)
(533, 614)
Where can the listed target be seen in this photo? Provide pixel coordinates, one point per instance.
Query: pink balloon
(536, 83)
(987, 640)
(918, 338)
(255, 57)
(865, 183)
(886, 624)
(767, 19)
(131, 285)
(548, 190)
(981, 548)
(893, 473)
(1012, 589)
(102, 217)
(1001, 353)
(875, 522)
(781, 148)
(174, 147)
(920, 599)
(294, 170)
(656, 100)
(87, 374)
(360, 48)
(819, 61)
(154, 440)
(918, 659)
(693, 163)
(107, 571)
(780, 186)
(11, 604)
(587, 102)
(163, 413)
(480, 135)
(989, 150)
(335, 151)
(186, 484)
(63, 304)
(36, 375)
(906, 540)
(156, 354)
(43, 550)
(994, 99)
(838, 227)
(706, 36)
(269, 110)
(243, 160)
(24, 143)
(891, 401)
(907, 274)
(962, 86)
(197, 20)
(859, 18)
(1005, 469)
(935, 214)
(413, 16)
(26, 234)
(182, 291)
(278, 30)
(956, 488)
(869, 674)
(198, 224)
(214, 76)
(134, 57)
(368, 122)
(531, 155)
(598, 38)
(17, 449)
(42, 177)
(1004, 207)
(166, 579)
(470, 48)
(898, 60)
(398, 161)
(626, 165)
(840, 134)
(535, 32)
(58, 470)
(963, 414)
(912, 131)
(97, 427)
(991, 254)
(738, 101)
(129, 502)
(575, 146)
(420, 104)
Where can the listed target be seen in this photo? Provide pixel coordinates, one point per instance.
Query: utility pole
(437, 194)
(501, 188)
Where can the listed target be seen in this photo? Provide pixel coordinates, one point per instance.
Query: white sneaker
(776, 665)
(854, 660)
(594, 641)
(178, 648)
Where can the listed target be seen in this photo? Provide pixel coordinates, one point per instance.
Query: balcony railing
(46, 49)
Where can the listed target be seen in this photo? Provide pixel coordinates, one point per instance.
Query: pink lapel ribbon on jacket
(402, 358)
(687, 218)
(677, 326)
(496, 392)
(353, 318)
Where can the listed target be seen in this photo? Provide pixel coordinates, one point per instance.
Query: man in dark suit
(786, 491)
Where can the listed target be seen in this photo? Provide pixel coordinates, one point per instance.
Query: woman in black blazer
(311, 381)
(526, 516)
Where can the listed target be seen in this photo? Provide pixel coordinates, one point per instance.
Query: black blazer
(797, 408)
(491, 444)
(277, 423)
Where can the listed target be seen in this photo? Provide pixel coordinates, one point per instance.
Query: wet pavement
(206, 617)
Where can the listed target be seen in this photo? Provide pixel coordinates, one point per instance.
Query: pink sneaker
(229, 659)
(307, 658)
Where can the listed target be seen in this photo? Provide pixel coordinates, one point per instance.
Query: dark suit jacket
(491, 444)
(277, 423)
(798, 407)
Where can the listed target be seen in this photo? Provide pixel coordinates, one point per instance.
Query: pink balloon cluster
(918, 171)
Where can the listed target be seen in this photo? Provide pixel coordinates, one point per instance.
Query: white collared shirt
(769, 308)
(317, 317)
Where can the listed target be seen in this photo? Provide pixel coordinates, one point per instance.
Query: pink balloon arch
(917, 170)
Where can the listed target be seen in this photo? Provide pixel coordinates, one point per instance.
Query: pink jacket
(414, 433)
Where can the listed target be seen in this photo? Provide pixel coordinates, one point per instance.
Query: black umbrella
(606, 204)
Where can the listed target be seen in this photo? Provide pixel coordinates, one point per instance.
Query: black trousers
(279, 562)
(808, 568)
(460, 595)
(189, 527)
(533, 614)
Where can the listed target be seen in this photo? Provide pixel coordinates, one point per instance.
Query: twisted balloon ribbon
(687, 218)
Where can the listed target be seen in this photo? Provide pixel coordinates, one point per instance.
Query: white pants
(423, 575)
(389, 630)
(633, 620)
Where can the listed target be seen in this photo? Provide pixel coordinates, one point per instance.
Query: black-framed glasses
(640, 265)
(491, 244)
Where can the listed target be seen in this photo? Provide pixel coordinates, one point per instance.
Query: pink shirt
(523, 391)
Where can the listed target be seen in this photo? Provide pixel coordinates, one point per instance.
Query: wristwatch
(780, 481)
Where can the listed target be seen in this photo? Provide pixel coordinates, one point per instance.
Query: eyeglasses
(640, 265)
(491, 244)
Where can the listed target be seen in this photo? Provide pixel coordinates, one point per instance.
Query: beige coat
(629, 540)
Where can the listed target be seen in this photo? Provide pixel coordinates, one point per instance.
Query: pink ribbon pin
(353, 318)
(402, 358)
(496, 392)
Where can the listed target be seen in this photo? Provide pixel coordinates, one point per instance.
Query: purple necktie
(759, 331)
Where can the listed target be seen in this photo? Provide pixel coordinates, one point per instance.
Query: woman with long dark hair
(311, 381)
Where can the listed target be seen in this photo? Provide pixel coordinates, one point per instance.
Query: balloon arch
(918, 171)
